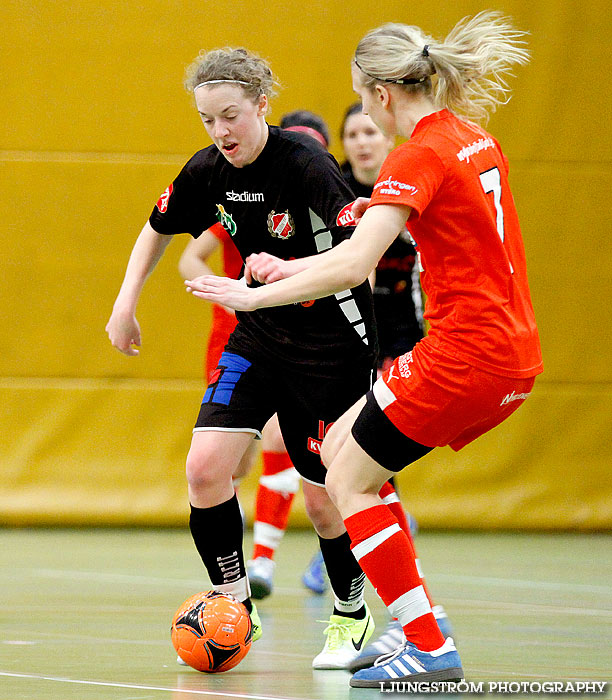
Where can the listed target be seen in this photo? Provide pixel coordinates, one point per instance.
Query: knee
(203, 472)
(324, 516)
(333, 486)
(330, 447)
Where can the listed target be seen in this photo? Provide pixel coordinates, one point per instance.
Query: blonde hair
(249, 71)
(470, 64)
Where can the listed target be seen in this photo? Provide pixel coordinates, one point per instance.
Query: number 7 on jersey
(491, 182)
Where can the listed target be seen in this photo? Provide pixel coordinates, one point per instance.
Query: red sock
(387, 558)
(392, 501)
(275, 493)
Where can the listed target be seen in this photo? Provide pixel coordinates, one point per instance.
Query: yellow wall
(95, 125)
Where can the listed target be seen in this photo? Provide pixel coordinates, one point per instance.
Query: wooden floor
(85, 614)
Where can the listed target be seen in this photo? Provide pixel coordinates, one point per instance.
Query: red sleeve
(411, 176)
(218, 231)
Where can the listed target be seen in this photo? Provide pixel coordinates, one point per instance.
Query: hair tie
(426, 51)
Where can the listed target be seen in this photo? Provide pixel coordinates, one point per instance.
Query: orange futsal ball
(212, 631)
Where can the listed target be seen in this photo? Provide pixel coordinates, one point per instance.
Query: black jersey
(397, 290)
(289, 203)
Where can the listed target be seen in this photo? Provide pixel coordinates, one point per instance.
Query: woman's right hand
(124, 332)
(359, 207)
(266, 268)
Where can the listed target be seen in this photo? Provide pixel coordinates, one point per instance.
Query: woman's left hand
(224, 291)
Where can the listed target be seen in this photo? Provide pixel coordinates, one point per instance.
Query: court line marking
(16, 156)
(446, 578)
(525, 607)
(65, 638)
(521, 583)
(134, 686)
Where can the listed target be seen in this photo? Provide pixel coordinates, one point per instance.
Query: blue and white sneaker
(315, 576)
(392, 637)
(409, 664)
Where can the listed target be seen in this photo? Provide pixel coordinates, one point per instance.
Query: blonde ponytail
(470, 64)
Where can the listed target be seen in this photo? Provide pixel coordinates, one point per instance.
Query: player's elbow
(354, 271)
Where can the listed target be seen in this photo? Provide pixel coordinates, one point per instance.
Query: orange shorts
(436, 399)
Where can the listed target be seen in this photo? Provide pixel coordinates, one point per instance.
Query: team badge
(162, 202)
(226, 220)
(281, 225)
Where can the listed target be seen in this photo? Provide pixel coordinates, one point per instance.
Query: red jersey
(223, 322)
(454, 177)
(232, 262)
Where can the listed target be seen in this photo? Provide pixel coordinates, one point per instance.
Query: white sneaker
(346, 638)
(260, 572)
(389, 641)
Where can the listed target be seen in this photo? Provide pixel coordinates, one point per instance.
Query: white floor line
(525, 607)
(134, 686)
(76, 575)
(518, 583)
(284, 590)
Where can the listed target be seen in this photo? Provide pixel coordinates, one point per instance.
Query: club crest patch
(281, 225)
(225, 219)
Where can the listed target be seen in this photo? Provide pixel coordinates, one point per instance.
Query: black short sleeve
(329, 195)
(185, 206)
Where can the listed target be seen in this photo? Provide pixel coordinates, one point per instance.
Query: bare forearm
(343, 267)
(192, 266)
(315, 277)
(147, 251)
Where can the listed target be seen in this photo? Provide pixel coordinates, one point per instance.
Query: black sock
(217, 534)
(346, 578)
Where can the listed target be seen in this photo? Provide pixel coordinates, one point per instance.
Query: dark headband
(398, 81)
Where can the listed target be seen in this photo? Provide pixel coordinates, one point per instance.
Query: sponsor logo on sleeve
(281, 225)
(394, 187)
(345, 217)
(162, 202)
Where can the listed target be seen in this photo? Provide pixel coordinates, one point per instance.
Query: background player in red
(480, 358)
(281, 192)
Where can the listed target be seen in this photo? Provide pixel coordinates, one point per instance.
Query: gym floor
(86, 614)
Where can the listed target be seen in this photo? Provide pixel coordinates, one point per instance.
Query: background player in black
(282, 193)
(396, 286)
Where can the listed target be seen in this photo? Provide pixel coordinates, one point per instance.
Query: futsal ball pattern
(212, 631)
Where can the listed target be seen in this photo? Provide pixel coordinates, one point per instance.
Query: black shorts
(245, 393)
(382, 441)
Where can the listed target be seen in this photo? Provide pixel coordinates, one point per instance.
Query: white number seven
(491, 182)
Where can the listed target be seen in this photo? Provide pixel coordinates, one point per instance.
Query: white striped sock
(267, 535)
(410, 605)
(369, 545)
